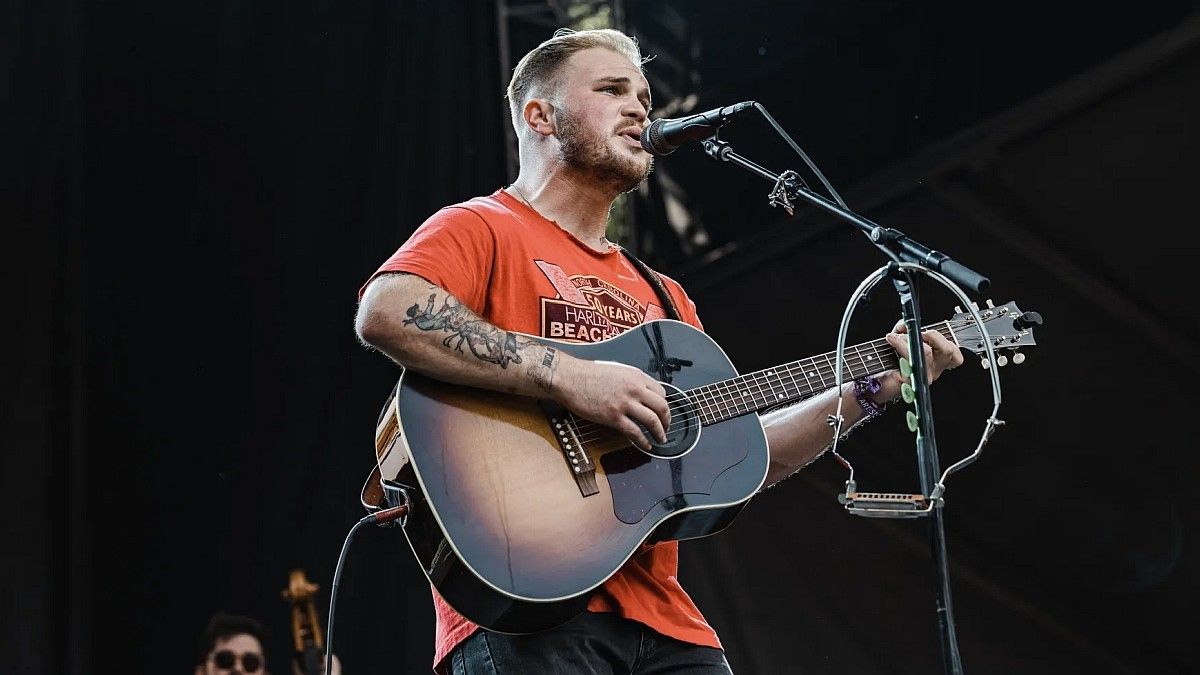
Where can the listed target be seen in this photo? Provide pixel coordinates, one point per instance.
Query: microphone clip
(786, 189)
(716, 148)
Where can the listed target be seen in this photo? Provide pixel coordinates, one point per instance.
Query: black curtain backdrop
(43, 570)
(192, 414)
(194, 193)
(260, 161)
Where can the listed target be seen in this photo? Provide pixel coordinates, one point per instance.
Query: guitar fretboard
(795, 381)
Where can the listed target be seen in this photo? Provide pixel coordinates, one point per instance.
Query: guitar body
(501, 521)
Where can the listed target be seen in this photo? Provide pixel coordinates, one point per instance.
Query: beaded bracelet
(864, 389)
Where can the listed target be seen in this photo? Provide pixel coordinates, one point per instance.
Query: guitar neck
(795, 381)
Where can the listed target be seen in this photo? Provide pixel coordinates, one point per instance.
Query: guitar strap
(373, 497)
(664, 364)
(656, 283)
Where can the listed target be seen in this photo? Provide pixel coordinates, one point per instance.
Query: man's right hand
(425, 328)
(615, 395)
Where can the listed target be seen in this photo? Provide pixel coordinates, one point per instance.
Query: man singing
(516, 262)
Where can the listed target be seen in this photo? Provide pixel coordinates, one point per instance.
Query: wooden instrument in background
(308, 642)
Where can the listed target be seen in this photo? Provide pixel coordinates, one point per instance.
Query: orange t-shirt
(522, 272)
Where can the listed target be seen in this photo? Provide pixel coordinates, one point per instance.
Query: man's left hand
(940, 355)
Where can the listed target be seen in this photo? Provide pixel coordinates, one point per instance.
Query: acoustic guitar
(518, 508)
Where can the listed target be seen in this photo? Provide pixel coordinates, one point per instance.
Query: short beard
(595, 158)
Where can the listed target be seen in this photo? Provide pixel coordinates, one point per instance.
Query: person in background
(233, 645)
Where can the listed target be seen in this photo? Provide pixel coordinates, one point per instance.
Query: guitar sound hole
(683, 431)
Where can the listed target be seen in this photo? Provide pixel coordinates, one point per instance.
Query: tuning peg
(1002, 360)
(985, 364)
(1027, 320)
(975, 306)
(989, 304)
(1018, 358)
(957, 309)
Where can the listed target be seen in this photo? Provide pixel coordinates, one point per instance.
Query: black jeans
(594, 643)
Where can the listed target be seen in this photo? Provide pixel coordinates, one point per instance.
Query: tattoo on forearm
(544, 375)
(485, 341)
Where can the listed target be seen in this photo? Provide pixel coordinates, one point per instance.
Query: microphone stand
(899, 248)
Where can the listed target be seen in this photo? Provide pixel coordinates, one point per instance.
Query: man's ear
(538, 114)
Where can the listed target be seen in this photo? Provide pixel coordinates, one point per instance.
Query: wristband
(864, 389)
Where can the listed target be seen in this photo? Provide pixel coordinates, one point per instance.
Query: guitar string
(753, 389)
(742, 400)
(761, 380)
(588, 431)
(765, 375)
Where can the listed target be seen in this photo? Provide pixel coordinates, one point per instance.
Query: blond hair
(538, 71)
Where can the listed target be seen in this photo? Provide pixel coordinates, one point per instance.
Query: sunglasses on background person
(226, 659)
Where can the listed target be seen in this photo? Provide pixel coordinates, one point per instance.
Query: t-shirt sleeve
(453, 249)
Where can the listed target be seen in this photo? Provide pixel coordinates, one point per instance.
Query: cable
(803, 155)
(379, 518)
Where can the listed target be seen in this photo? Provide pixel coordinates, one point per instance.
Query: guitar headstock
(1007, 327)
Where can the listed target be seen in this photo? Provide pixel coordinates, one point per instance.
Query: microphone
(662, 136)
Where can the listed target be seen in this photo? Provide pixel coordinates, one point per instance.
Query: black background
(196, 191)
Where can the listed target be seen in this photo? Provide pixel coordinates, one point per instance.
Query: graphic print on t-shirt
(588, 308)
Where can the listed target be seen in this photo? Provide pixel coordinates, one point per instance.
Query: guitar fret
(807, 390)
(723, 398)
(811, 371)
(741, 393)
(862, 363)
(719, 401)
(715, 401)
(762, 395)
(952, 337)
(754, 389)
(759, 395)
(875, 355)
(849, 365)
(696, 405)
(765, 388)
(726, 398)
(772, 378)
(736, 395)
(788, 369)
(710, 404)
(831, 359)
(888, 359)
(832, 371)
(749, 396)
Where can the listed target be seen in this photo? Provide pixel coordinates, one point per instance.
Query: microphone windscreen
(652, 140)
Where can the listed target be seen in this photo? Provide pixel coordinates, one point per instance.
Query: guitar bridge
(562, 425)
(885, 504)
